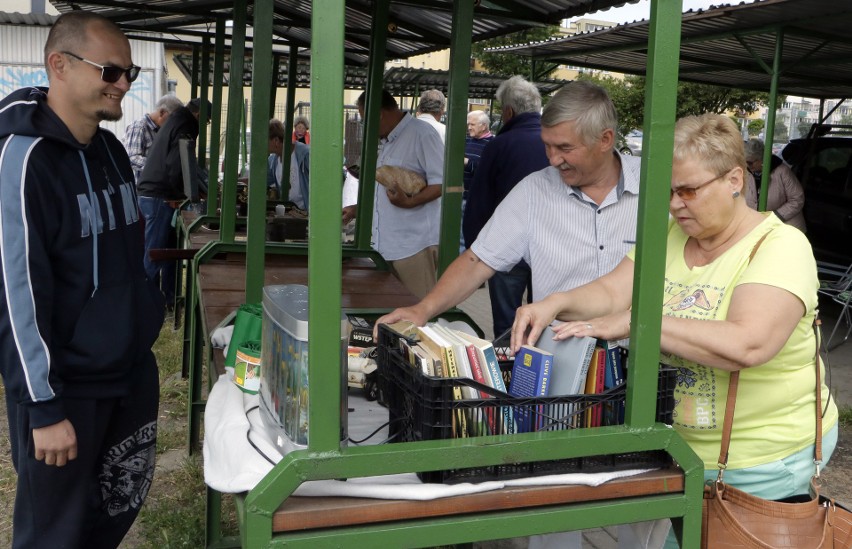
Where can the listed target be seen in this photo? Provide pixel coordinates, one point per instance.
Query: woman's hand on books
(610, 327)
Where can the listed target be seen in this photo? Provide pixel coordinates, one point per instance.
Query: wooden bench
(309, 513)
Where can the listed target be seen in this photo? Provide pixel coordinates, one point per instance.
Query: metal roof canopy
(415, 26)
(399, 81)
(731, 46)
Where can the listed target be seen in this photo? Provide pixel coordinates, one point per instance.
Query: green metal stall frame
(325, 458)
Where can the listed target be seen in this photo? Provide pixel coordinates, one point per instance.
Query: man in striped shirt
(572, 221)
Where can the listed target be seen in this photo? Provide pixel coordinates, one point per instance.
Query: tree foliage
(755, 126)
(628, 94)
(511, 64)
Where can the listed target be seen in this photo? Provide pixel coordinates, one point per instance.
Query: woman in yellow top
(722, 312)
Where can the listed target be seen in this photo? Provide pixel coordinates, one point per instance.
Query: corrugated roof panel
(722, 46)
(419, 28)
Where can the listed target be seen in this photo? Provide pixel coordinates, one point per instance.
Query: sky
(642, 10)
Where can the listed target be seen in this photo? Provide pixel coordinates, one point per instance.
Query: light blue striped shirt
(402, 232)
(566, 238)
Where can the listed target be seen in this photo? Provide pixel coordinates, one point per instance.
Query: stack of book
(549, 369)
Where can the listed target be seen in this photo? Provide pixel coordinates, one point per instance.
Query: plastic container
(422, 407)
(284, 372)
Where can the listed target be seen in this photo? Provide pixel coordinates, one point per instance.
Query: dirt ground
(837, 477)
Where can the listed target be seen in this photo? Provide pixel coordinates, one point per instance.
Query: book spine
(479, 376)
(543, 384)
(453, 371)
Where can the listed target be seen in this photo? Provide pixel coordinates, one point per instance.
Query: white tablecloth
(232, 465)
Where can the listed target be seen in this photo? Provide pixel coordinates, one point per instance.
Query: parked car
(630, 144)
(823, 164)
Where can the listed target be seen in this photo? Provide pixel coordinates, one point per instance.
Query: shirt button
(601, 247)
(599, 212)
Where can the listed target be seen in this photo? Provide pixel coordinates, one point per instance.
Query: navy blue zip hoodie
(77, 314)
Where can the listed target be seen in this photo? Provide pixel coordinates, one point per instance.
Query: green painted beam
(770, 119)
(451, 198)
(216, 120)
(289, 111)
(656, 172)
(227, 225)
(204, 93)
(324, 253)
(372, 104)
(260, 95)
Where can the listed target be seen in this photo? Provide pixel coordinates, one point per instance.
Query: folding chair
(835, 282)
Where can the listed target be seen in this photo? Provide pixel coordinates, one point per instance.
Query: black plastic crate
(422, 407)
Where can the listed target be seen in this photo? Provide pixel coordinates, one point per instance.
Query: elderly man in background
(515, 152)
(431, 108)
(478, 135)
(139, 135)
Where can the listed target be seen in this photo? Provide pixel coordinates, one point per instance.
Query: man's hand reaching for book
(403, 313)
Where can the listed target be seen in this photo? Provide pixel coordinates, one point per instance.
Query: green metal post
(260, 93)
(456, 132)
(372, 103)
(656, 172)
(205, 88)
(193, 79)
(324, 253)
(216, 119)
(273, 89)
(770, 119)
(290, 105)
(227, 224)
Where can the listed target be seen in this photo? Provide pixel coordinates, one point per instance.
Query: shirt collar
(150, 123)
(404, 121)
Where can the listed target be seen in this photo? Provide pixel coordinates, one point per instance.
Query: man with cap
(160, 189)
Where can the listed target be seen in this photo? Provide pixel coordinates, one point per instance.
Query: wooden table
(219, 289)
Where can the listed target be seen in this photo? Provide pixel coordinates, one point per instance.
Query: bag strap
(732, 392)
(732, 399)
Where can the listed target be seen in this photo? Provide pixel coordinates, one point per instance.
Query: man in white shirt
(406, 228)
(431, 108)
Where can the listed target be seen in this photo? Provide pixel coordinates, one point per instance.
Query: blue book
(530, 378)
(614, 413)
(614, 366)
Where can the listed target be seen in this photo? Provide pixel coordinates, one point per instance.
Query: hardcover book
(571, 359)
(530, 378)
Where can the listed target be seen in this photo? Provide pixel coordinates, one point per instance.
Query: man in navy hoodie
(78, 316)
(516, 152)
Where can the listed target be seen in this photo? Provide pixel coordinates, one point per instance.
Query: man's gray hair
(432, 102)
(587, 105)
(519, 95)
(168, 103)
(754, 149)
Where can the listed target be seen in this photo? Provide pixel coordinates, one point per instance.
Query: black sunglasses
(108, 73)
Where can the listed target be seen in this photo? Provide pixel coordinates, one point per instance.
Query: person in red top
(300, 130)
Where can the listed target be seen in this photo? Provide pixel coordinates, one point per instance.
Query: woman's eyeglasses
(688, 193)
(108, 73)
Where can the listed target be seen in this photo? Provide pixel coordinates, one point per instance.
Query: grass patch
(845, 415)
(8, 479)
(173, 515)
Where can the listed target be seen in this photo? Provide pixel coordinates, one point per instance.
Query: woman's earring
(736, 194)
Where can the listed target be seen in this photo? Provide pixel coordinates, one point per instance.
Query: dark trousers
(159, 233)
(506, 290)
(93, 500)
